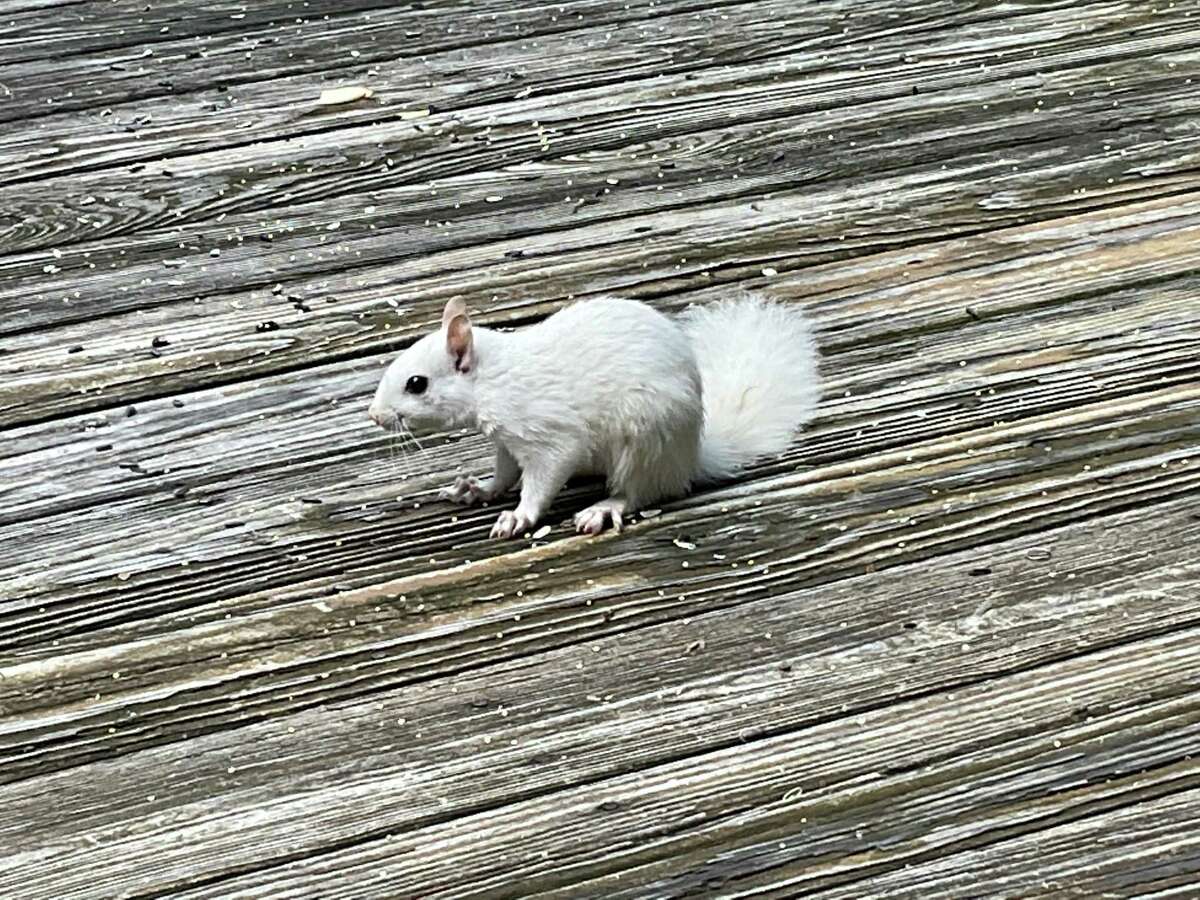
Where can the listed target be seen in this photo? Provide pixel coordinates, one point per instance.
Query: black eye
(416, 384)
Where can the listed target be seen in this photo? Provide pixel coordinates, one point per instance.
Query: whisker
(398, 443)
(413, 436)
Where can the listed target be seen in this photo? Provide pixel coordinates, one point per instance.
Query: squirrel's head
(430, 385)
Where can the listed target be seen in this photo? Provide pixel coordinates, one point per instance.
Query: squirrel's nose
(385, 418)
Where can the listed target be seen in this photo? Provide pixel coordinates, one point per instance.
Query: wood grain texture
(336, 528)
(113, 25)
(1146, 849)
(947, 643)
(178, 267)
(244, 449)
(845, 656)
(181, 98)
(46, 214)
(323, 314)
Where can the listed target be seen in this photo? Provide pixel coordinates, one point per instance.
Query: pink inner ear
(459, 342)
(455, 307)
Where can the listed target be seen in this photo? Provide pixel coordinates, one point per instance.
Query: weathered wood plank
(180, 101)
(113, 25)
(1151, 848)
(104, 571)
(168, 104)
(47, 214)
(248, 448)
(862, 517)
(134, 278)
(854, 801)
(339, 315)
(845, 650)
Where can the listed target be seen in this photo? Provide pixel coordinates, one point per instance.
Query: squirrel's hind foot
(593, 519)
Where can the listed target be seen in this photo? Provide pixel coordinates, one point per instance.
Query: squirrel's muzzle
(382, 416)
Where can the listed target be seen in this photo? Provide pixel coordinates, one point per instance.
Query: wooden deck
(949, 645)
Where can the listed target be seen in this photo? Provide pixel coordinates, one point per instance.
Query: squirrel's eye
(416, 384)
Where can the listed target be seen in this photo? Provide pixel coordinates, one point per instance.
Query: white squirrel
(610, 387)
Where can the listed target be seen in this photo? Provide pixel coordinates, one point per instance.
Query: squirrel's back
(618, 377)
(653, 402)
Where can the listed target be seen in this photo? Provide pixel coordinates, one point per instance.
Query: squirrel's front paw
(466, 491)
(511, 524)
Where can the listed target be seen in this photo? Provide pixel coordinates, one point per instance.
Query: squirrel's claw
(510, 524)
(593, 519)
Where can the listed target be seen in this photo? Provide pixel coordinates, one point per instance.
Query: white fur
(758, 362)
(612, 387)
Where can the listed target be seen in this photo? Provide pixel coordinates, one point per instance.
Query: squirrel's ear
(455, 307)
(457, 325)
(459, 342)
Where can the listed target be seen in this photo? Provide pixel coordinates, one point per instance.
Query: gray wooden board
(669, 240)
(111, 360)
(945, 644)
(354, 159)
(160, 94)
(175, 102)
(439, 618)
(114, 25)
(800, 695)
(240, 452)
(1150, 848)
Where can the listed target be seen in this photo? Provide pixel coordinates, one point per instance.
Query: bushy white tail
(758, 365)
